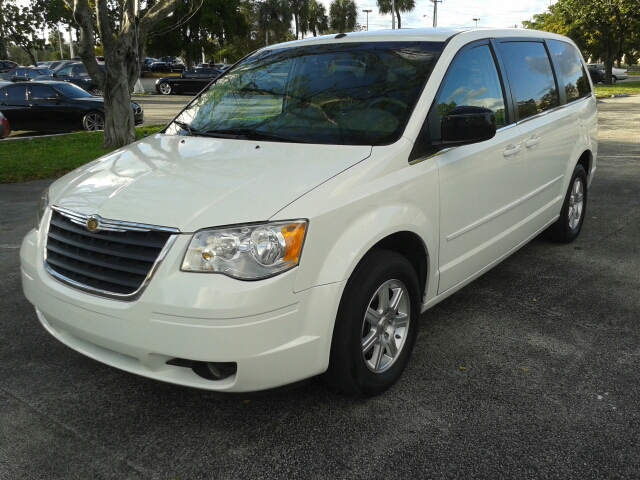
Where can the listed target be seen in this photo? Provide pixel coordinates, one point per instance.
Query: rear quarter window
(570, 70)
(530, 76)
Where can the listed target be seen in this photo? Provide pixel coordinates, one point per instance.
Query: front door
(480, 184)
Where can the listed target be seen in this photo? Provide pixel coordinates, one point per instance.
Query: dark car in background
(54, 106)
(190, 82)
(59, 64)
(76, 73)
(145, 66)
(168, 64)
(5, 129)
(6, 65)
(25, 74)
(596, 75)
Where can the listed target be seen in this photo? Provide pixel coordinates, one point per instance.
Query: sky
(455, 13)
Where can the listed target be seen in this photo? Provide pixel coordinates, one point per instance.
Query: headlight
(248, 252)
(43, 203)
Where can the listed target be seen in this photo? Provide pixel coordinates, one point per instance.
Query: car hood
(195, 182)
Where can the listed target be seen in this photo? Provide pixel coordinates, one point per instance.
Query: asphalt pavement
(531, 371)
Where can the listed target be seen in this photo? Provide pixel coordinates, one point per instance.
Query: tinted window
(64, 71)
(42, 92)
(79, 70)
(530, 76)
(570, 69)
(18, 92)
(472, 80)
(20, 72)
(72, 91)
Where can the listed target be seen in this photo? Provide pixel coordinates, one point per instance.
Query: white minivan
(301, 212)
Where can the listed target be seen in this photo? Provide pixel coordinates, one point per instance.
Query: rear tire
(569, 224)
(93, 122)
(376, 325)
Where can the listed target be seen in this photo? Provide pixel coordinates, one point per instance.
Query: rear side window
(570, 70)
(472, 80)
(18, 92)
(42, 92)
(530, 77)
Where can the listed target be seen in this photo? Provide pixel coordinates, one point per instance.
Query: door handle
(533, 141)
(511, 150)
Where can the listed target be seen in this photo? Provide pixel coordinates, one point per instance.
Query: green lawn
(623, 88)
(51, 157)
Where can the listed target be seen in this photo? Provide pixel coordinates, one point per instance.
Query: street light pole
(393, 14)
(367, 12)
(476, 20)
(435, 11)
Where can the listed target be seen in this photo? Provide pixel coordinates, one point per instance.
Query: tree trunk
(30, 53)
(119, 125)
(398, 17)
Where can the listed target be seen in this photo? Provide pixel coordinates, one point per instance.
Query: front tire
(569, 224)
(95, 91)
(376, 326)
(165, 88)
(93, 122)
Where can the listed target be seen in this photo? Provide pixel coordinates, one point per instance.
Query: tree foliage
(343, 15)
(601, 29)
(404, 6)
(318, 20)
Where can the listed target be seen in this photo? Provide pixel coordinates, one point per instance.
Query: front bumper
(275, 336)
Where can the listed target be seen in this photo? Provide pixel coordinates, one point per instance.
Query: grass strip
(621, 88)
(52, 157)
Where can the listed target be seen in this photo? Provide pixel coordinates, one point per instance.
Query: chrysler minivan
(298, 216)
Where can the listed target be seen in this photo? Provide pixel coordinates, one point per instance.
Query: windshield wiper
(249, 134)
(197, 133)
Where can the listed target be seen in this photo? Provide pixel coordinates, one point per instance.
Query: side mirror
(465, 125)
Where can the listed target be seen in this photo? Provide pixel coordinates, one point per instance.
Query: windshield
(70, 90)
(346, 94)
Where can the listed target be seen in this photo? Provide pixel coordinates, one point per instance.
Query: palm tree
(343, 15)
(318, 21)
(404, 6)
(275, 16)
(300, 9)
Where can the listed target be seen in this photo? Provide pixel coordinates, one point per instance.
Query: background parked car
(5, 129)
(616, 73)
(6, 65)
(146, 63)
(190, 82)
(25, 74)
(596, 75)
(76, 73)
(54, 106)
(168, 64)
(59, 64)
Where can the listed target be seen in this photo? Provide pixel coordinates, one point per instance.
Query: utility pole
(393, 14)
(367, 12)
(60, 43)
(435, 11)
(70, 43)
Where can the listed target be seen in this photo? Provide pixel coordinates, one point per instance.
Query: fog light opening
(214, 370)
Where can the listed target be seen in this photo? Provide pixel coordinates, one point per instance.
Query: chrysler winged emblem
(92, 224)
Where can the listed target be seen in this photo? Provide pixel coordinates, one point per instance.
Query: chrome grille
(115, 262)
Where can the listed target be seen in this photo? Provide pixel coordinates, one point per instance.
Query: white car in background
(616, 73)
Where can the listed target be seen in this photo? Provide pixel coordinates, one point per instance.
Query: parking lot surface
(531, 371)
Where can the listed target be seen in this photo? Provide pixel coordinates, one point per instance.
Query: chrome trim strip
(107, 225)
(502, 210)
(103, 293)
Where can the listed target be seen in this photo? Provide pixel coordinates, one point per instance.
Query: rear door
(479, 183)
(548, 133)
(14, 106)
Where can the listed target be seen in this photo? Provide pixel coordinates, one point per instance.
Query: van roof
(438, 34)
